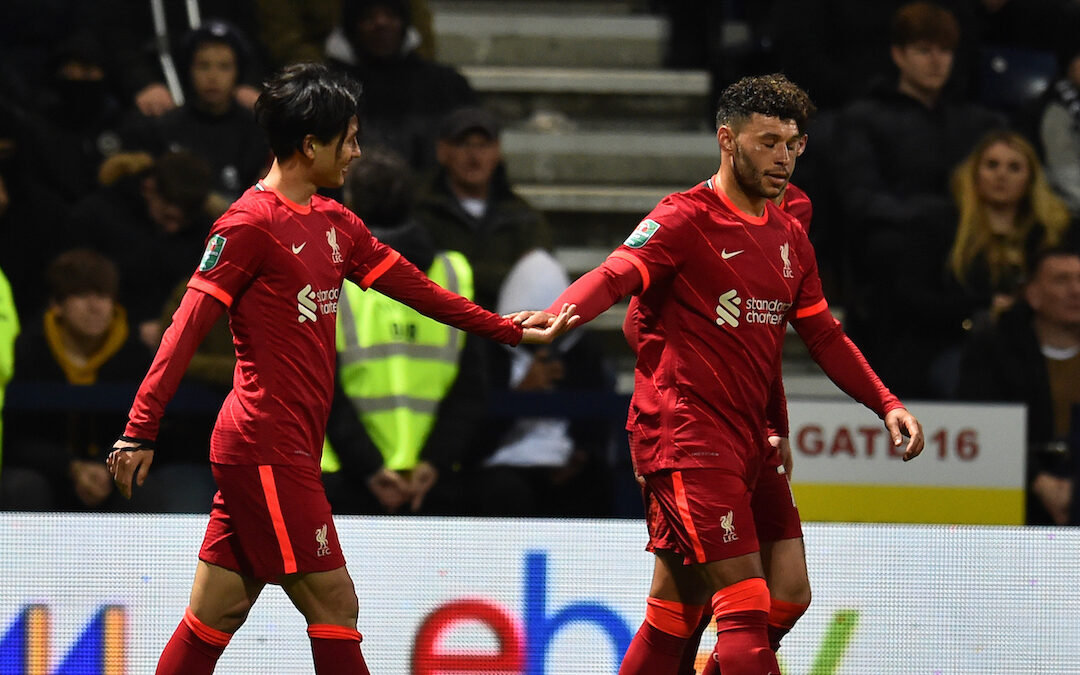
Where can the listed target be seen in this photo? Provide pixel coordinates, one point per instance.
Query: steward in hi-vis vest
(396, 365)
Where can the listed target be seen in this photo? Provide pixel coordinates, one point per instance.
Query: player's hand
(901, 423)
(421, 480)
(389, 488)
(543, 328)
(91, 480)
(154, 100)
(1055, 494)
(128, 464)
(783, 446)
(535, 317)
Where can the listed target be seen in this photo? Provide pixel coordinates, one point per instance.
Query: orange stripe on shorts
(684, 514)
(266, 475)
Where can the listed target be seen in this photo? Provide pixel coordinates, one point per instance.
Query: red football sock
(193, 649)
(686, 667)
(660, 643)
(711, 666)
(782, 618)
(742, 638)
(652, 651)
(336, 650)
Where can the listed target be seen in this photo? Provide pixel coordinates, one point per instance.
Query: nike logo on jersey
(296, 249)
(725, 255)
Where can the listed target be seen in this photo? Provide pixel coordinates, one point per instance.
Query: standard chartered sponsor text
(771, 312)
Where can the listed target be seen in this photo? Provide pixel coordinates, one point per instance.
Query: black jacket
(114, 221)
(508, 229)
(895, 157)
(404, 101)
(1004, 363)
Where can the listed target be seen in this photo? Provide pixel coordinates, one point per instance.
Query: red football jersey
(797, 203)
(278, 267)
(719, 289)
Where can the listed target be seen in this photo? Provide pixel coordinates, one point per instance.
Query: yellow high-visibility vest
(396, 365)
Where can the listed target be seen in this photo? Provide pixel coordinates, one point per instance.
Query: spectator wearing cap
(468, 204)
(83, 338)
(210, 123)
(151, 221)
(405, 95)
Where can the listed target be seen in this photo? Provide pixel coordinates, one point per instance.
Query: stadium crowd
(124, 135)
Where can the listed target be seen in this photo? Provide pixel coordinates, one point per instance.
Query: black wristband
(143, 444)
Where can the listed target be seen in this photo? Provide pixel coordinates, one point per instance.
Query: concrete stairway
(597, 132)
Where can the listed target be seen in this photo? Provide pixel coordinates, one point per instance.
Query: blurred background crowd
(508, 146)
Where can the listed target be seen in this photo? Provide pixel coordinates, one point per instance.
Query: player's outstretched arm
(901, 423)
(129, 463)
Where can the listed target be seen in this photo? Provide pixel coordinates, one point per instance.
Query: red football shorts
(270, 520)
(775, 515)
(702, 514)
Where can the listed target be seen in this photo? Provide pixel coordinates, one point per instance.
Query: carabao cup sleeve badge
(210, 257)
(642, 233)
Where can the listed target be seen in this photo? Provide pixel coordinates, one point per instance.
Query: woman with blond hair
(1007, 211)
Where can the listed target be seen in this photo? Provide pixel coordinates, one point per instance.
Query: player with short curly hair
(719, 271)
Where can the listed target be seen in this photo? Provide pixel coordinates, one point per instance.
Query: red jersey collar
(299, 208)
(714, 183)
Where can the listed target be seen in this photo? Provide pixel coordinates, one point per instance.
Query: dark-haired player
(276, 261)
(719, 272)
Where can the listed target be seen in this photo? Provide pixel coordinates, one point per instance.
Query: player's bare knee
(796, 591)
(346, 605)
(801, 596)
(235, 614)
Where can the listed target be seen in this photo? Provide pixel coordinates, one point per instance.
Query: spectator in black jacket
(143, 50)
(1032, 356)
(896, 151)
(150, 221)
(210, 123)
(405, 95)
(542, 466)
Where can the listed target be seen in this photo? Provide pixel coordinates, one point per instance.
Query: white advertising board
(971, 471)
(100, 595)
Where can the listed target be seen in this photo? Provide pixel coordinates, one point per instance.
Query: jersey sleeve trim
(211, 290)
(819, 306)
(636, 262)
(377, 271)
